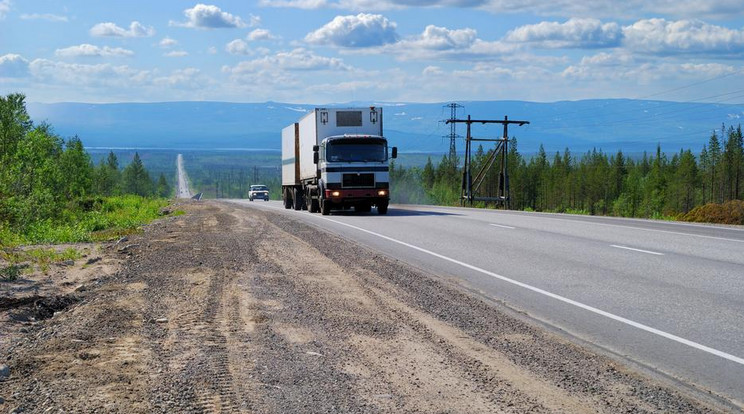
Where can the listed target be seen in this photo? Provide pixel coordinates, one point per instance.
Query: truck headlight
(335, 193)
(382, 193)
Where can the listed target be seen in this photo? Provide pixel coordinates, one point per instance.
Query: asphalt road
(668, 297)
(183, 182)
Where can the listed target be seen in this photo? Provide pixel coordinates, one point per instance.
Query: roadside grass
(20, 261)
(104, 219)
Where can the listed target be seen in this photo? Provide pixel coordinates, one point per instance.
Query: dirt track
(234, 310)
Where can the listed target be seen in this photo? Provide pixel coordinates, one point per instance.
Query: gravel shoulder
(227, 309)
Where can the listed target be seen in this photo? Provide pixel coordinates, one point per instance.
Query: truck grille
(359, 180)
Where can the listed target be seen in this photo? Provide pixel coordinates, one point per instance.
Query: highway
(182, 190)
(666, 297)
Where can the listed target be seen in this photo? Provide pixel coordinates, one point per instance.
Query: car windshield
(351, 151)
(259, 188)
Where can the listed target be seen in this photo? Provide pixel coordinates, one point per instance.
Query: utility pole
(453, 132)
(471, 185)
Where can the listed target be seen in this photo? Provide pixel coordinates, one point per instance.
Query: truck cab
(354, 172)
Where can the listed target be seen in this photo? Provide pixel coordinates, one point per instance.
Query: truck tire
(325, 207)
(298, 199)
(382, 208)
(314, 206)
(287, 199)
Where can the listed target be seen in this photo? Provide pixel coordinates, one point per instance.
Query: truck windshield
(349, 151)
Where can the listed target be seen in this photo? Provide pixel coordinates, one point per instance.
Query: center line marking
(503, 227)
(637, 250)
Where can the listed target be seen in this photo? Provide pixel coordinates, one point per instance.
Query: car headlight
(382, 193)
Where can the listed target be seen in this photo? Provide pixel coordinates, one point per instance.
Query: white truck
(336, 158)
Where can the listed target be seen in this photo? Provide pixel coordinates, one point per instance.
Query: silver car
(258, 191)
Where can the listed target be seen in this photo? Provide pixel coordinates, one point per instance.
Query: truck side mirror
(316, 148)
(395, 152)
(315, 157)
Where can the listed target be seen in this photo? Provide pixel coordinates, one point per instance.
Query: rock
(81, 288)
(93, 260)
(123, 240)
(126, 249)
(161, 320)
(4, 372)
(165, 211)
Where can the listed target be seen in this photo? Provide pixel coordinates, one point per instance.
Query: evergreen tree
(163, 189)
(77, 171)
(136, 179)
(714, 160)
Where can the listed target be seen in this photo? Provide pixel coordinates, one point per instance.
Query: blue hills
(609, 124)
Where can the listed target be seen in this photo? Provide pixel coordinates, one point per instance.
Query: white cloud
(660, 36)
(441, 43)
(86, 49)
(254, 20)
(88, 75)
(176, 53)
(136, 29)
(261, 34)
(575, 33)
(441, 38)
(45, 16)
(204, 16)
(362, 30)
(189, 77)
(295, 60)
(4, 8)
(238, 47)
(432, 71)
(167, 42)
(13, 66)
(212, 50)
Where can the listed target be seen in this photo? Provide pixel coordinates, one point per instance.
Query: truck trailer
(336, 158)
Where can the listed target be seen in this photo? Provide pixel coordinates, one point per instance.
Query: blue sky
(326, 51)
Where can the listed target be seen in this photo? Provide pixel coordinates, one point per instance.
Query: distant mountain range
(607, 124)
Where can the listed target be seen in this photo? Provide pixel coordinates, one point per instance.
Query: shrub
(730, 212)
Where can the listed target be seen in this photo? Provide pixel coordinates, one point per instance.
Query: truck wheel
(382, 208)
(287, 199)
(314, 206)
(298, 200)
(325, 207)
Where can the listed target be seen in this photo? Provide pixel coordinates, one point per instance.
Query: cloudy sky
(325, 51)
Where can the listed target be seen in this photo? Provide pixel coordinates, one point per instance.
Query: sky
(334, 51)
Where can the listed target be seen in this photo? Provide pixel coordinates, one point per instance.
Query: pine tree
(77, 171)
(136, 179)
(163, 189)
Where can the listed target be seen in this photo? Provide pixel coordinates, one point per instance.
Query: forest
(707, 186)
(51, 191)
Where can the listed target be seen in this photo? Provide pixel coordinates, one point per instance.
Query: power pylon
(453, 131)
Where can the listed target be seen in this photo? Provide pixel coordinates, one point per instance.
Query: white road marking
(637, 250)
(592, 309)
(502, 226)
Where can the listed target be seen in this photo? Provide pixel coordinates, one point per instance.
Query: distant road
(183, 181)
(668, 296)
